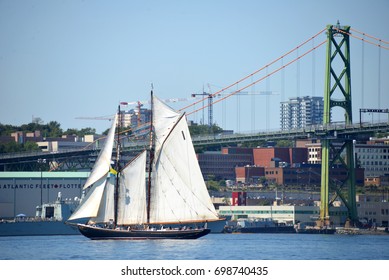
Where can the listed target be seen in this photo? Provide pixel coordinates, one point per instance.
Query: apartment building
(300, 112)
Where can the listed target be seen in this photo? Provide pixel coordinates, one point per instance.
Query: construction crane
(137, 111)
(139, 104)
(211, 96)
(210, 108)
(102, 118)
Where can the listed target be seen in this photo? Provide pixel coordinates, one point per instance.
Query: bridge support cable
(380, 43)
(379, 80)
(338, 83)
(363, 75)
(369, 36)
(255, 73)
(255, 82)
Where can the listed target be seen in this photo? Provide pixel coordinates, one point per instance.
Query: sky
(62, 60)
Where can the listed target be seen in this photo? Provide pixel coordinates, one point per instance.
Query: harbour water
(210, 247)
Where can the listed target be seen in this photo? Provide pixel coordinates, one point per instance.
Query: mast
(151, 157)
(117, 166)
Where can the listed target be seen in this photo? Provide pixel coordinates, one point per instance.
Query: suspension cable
(260, 79)
(252, 74)
(364, 40)
(370, 36)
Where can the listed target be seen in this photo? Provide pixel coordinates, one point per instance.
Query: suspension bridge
(338, 125)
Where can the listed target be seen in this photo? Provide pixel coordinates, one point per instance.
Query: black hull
(268, 230)
(98, 233)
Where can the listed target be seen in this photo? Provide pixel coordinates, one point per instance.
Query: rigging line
(257, 71)
(261, 79)
(370, 36)
(362, 39)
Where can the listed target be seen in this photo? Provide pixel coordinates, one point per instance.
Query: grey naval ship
(49, 220)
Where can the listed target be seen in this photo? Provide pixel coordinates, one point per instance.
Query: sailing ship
(131, 203)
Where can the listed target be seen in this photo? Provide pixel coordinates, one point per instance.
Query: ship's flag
(112, 171)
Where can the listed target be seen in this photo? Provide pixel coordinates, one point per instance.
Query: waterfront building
(374, 157)
(375, 181)
(217, 165)
(283, 166)
(300, 112)
(237, 151)
(21, 192)
(308, 175)
(274, 156)
(22, 137)
(313, 147)
(249, 174)
(290, 214)
(59, 144)
(373, 209)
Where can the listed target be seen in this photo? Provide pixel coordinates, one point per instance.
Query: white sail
(178, 193)
(164, 119)
(90, 204)
(106, 209)
(132, 192)
(103, 162)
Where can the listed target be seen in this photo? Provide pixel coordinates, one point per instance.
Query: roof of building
(44, 174)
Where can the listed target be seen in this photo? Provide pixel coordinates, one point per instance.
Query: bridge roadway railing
(335, 130)
(338, 130)
(23, 156)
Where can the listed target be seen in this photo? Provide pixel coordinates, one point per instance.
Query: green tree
(253, 144)
(285, 143)
(11, 147)
(204, 129)
(30, 146)
(213, 185)
(87, 131)
(54, 129)
(71, 131)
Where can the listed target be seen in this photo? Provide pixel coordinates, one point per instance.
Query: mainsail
(132, 192)
(178, 192)
(106, 209)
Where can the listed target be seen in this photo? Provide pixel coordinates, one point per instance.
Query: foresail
(90, 204)
(132, 192)
(103, 162)
(106, 209)
(179, 192)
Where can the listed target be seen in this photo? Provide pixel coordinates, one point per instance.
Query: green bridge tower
(336, 151)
